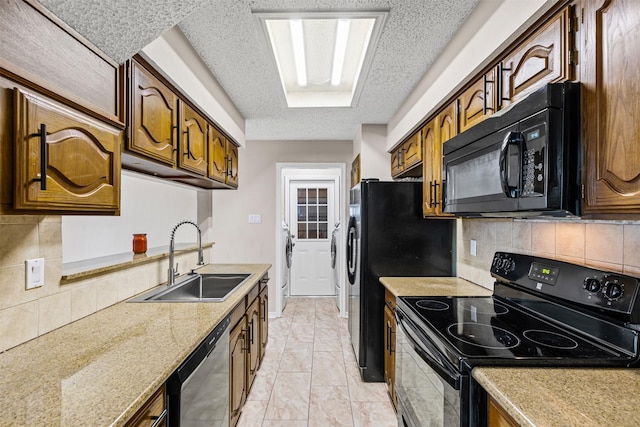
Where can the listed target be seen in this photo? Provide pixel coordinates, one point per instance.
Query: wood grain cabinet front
(478, 102)
(193, 141)
(497, 416)
(610, 68)
(232, 165)
(264, 319)
(217, 155)
(154, 117)
(253, 356)
(434, 134)
(544, 57)
(153, 412)
(390, 346)
(237, 370)
(64, 159)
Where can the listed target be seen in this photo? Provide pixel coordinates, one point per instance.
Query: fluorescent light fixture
(297, 38)
(322, 58)
(340, 49)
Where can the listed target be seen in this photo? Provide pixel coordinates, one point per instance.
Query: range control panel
(606, 291)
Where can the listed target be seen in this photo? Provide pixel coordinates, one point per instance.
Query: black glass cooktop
(484, 328)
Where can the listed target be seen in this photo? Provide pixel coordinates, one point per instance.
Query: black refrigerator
(387, 236)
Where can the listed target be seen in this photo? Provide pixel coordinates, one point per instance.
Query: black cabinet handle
(484, 94)
(251, 332)
(430, 194)
(435, 193)
(188, 151)
(44, 157)
(229, 166)
(501, 70)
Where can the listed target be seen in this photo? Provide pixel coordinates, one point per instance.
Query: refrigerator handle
(351, 250)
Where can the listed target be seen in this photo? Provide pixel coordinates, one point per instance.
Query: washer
(335, 264)
(286, 262)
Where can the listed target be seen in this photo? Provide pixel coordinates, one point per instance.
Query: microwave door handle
(512, 138)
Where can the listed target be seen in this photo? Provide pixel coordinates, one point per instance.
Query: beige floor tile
(252, 413)
(373, 414)
(329, 391)
(297, 360)
(284, 423)
(290, 397)
(328, 369)
(330, 406)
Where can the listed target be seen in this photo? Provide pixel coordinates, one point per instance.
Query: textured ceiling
(227, 38)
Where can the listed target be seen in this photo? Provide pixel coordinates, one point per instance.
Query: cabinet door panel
(478, 102)
(612, 128)
(193, 144)
(397, 165)
(253, 360)
(264, 321)
(232, 164)
(217, 155)
(542, 58)
(429, 141)
(154, 117)
(82, 158)
(412, 151)
(237, 370)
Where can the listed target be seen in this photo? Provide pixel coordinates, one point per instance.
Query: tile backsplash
(26, 314)
(607, 245)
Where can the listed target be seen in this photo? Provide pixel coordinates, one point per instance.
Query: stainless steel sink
(197, 288)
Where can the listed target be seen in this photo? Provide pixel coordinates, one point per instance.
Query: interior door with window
(312, 216)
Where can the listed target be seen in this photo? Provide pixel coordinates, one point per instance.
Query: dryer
(287, 243)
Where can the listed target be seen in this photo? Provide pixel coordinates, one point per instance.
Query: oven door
(428, 386)
(484, 175)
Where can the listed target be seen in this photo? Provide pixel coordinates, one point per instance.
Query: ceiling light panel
(336, 48)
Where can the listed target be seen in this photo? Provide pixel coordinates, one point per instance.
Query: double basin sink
(214, 287)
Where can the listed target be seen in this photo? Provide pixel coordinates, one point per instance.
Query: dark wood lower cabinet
(153, 413)
(237, 370)
(497, 416)
(390, 346)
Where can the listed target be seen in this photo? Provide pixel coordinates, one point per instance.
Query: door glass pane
(302, 196)
(313, 196)
(313, 230)
(302, 230)
(322, 230)
(322, 196)
(313, 213)
(322, 213)
(302, 213)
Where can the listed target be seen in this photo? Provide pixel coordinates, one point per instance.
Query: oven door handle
(429, 352)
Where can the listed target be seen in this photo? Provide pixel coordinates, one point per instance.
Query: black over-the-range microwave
(523, 161)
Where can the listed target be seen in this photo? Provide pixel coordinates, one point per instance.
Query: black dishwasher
(198, 391)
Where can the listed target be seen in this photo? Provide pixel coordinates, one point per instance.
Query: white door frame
(286, 172)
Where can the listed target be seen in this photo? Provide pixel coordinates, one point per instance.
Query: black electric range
(543, 313)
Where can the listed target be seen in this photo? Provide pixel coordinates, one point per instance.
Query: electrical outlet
(255, 219)
(473, 248)
(34, 276)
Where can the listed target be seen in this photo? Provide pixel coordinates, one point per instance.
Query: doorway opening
(311, 206)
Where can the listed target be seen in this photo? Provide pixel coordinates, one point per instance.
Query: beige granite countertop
(433, 286)
(562, 397)
(100, 369)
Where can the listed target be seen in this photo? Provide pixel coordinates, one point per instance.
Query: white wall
(370, 142)
(487, 28)
(147, 206)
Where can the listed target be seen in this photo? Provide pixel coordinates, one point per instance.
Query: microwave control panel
(533, 161)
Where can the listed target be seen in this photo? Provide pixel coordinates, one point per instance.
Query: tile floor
(309, 375)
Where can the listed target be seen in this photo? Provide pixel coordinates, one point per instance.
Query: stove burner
(482, 306)
(550, 339)
(481, 335)
(430, 304)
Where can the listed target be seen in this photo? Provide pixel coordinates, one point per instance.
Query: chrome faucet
(173, 272)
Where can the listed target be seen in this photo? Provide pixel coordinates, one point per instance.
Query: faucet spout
(173, 271)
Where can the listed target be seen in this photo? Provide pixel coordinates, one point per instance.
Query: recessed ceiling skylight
(322, 57)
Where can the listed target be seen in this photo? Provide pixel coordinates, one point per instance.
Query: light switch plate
(473, 248)
(34, 276)
(255, 219)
